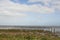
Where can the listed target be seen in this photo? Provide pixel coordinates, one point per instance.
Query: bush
(43, 38)
(29, 38)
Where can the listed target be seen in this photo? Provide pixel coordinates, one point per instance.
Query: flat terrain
(15, 34)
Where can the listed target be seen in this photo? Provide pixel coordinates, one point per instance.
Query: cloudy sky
(30, 12)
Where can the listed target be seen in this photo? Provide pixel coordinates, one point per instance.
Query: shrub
(43, 38)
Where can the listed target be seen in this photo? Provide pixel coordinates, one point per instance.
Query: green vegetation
(27, 35)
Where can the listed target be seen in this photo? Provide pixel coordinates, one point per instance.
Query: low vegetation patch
(14, 34)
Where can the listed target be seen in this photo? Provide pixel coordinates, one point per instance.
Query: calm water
(57, 29)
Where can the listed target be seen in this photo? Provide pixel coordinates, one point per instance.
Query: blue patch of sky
(26, 2)
(31, 3)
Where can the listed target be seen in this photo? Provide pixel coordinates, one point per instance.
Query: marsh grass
(27, 35)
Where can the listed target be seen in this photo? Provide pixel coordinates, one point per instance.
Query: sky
(30, 12)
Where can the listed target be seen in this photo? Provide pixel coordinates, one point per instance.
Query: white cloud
(14, 9)
(10, 9)
(43, 1)
(34, 0)
(56, 4)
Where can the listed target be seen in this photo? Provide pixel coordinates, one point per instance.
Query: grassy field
(27, 35)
